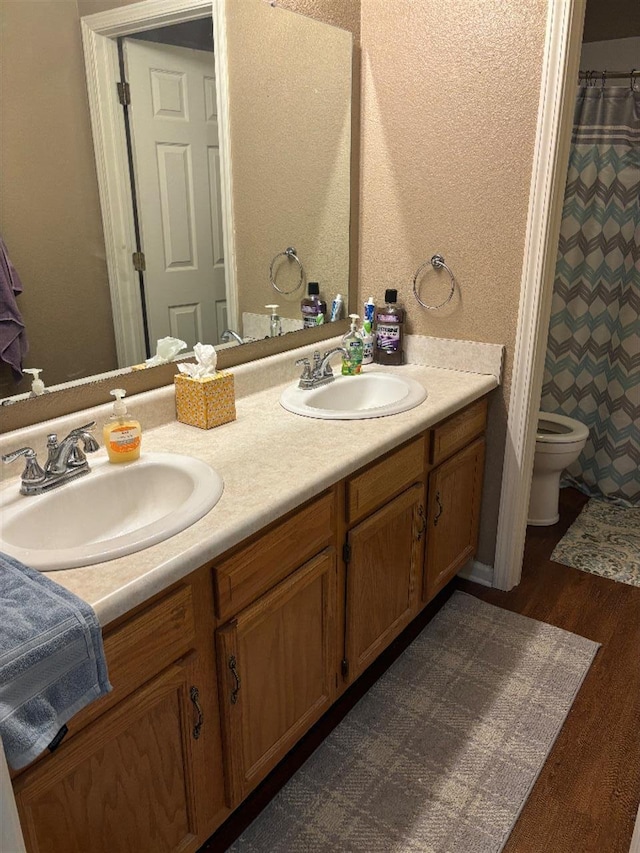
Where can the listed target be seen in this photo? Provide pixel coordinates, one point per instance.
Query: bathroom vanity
(226, 643)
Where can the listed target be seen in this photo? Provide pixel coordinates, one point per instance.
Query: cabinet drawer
(142, 646)
(385, 479)
(458, 431)
(254, 569)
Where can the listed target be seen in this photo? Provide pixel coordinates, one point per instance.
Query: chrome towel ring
(291, 254)
(437, 262)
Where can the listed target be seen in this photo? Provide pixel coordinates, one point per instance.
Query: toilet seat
(559, 429)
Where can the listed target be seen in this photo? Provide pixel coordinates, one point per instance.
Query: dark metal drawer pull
(194, 695)
(234, 669)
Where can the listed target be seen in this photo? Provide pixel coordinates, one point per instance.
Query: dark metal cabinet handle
(440, 509)
(233, 666)
(194, 695)
(423, 519)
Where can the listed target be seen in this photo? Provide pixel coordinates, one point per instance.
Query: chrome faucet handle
(78, 431)
(33, 472)
(306, 380)
(306, 367)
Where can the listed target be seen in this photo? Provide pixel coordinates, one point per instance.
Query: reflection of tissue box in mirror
(206, 402)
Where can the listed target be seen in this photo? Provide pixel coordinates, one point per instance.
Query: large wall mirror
(213, 200)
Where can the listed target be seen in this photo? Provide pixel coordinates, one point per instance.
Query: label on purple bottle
(388, 337)
(311, 316)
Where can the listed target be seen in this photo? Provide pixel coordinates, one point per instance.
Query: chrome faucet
(65, 461)
(321, 372)
(228, 334)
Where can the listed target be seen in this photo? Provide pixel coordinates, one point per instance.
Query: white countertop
(271, 461)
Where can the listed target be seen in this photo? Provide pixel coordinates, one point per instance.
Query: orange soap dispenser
(122, 434)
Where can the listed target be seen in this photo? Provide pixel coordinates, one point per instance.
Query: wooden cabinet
(453, 512)
(384, 576)
(454, 493)
(277, 667)
(217, 678)
(124, 783)
(141, 768)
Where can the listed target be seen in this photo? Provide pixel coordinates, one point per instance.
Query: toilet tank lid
(559, 429)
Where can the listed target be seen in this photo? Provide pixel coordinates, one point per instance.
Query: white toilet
(559, 442)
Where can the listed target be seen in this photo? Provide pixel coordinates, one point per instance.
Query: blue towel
(52, 660)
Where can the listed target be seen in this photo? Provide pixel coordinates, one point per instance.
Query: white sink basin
(369, 395)
(111, 511)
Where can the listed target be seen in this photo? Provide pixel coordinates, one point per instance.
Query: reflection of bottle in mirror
(275, 323)
(389, 332)
(313, 307)
(336, 308)
(37, 386)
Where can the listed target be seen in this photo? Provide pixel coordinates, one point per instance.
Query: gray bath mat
(441, 754)
(603, 540)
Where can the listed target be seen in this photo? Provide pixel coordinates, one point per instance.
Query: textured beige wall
(450, 99)
(49, 207)
(290, 128)
(339, 13)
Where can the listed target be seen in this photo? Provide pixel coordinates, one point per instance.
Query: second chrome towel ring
(291, 254)
(437, 262)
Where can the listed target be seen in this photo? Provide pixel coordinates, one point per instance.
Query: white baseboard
(477, 572)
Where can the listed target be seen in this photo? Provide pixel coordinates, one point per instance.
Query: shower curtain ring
(632, 77)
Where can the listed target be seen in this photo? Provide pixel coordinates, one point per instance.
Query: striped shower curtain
(592, 369)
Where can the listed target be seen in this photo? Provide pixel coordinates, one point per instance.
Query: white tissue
(166, 350)
(206, 360)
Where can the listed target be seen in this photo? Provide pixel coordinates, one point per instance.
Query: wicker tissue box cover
(207, 402)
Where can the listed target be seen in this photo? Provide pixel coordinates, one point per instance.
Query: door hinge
(344, 668)
(346, 552)
(139, 263)
(124, 93)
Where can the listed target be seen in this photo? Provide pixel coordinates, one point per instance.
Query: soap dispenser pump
(352, 342)
(122, 434)
(37, 386)
(275, 323)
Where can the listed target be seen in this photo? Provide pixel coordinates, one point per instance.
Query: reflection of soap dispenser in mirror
(122, 434)
(275, 323)
(37, 386)
(352, 342)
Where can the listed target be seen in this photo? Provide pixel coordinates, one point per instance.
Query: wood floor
(586, 797)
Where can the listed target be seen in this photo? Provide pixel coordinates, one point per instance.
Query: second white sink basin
(369, 395)
(111, 511)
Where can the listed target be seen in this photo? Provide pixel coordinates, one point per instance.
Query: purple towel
(13, 338)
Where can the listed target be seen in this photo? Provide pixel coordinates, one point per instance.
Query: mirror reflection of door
(175, 154)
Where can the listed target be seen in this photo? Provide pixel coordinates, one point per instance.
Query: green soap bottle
(352, 342)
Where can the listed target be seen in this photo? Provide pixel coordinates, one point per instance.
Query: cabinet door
(124, 783)
(277, 672)
(455, 492)
(383, 577)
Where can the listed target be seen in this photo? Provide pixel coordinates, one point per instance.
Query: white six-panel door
(174, 129)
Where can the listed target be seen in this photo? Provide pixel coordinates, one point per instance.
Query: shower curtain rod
(609, 75)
